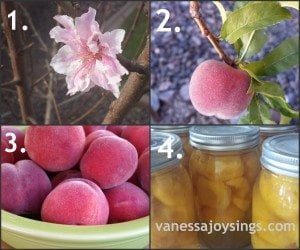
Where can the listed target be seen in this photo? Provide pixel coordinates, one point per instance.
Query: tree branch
(16, 64)
(132, 66)
(194, 12)
(135, 87)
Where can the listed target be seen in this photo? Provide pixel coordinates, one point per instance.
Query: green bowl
(20, 232)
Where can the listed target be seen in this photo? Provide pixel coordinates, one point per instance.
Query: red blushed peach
(217, 89)
(138, 136)
(95, 135)
(91, 129)
(5, 156)
(117, 130)
(109, 161)
(64, 175)
(76, 202)
(126, 202)
(55, 148)
(143, 171)
(20, 136)
(24, 187)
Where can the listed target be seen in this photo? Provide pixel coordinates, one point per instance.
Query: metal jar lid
(178, 130)
(280, 154)
(160, 159)
(271, 129)
(224, 138)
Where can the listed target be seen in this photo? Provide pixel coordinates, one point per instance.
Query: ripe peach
(64, 175)
(219, 89)
(91, 129)
(143, 171)
(138, 136)
(76, 201)
(5, 156)
(126, 202)
(117, 130)
(109, 161)
(24, 186)
(18, 155)
(95, 135)
(55, 148)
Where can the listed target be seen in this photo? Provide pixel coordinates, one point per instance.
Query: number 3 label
(161, 27)
(12, 142)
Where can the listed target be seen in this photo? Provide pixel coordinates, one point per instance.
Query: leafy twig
(194, 12)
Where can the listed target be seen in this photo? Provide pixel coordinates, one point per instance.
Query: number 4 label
(166, 147)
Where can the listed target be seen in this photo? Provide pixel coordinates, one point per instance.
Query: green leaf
(282, 58)
(284, 119)
(254, 114)
(245, 119)
(252, 43)
(258, 113)
(269, 88)
(253, 16)
(221, 10)
(274, 96)
(238, 45)
(250, 71)
(292, 4)
(239, 4)
(281, 106)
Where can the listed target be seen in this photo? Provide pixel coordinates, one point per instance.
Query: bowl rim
(58, 232)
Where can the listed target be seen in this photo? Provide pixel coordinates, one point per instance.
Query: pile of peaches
(76, 175)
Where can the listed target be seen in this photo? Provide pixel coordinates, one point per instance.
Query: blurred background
(175, 55)
(45, 90)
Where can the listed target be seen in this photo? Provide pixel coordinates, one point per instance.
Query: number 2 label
(161, 27)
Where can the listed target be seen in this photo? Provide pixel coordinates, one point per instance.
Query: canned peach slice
(257, 241)
(241, 203)
(213, 193)
(240, 186)
(280, 194)
(227, 167)
(266, 218)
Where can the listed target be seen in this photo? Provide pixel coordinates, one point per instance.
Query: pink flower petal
(86, 25)
(100, 78)
(78, 77)
(66, 21)
(63, 59)
(65, 36)
(114, 39)
(114, 66)
(93, 43)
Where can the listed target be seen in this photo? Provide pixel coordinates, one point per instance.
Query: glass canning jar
(183, 133)
(223, 166)
(172, 202)
(267, 131)
(275, 205)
